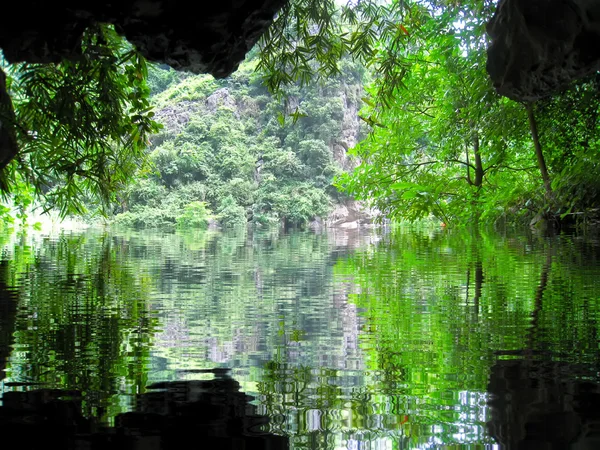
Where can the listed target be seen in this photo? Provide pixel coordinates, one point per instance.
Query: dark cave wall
(539, 47)
(201, 37)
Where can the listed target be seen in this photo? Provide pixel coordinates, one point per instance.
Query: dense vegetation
(443, 144)
(446, 145)
(81, 127)
(228, 152)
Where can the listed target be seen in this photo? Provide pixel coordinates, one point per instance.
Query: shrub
(146, 218)
(195, 215)
(231, 214)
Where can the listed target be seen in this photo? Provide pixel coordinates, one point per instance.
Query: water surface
(345, 340)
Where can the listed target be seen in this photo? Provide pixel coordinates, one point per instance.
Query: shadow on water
(212, 414)
(540, 401)
(540, 404)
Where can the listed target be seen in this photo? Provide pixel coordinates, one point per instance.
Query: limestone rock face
(201, 37)
(540, 46)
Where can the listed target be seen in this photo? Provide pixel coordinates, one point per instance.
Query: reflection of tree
(398, 346)
(478, 284)
(430, 336)
(8, 310)
(316, 407)
(541, 395)
(241, 292)
(537, 305)
(537, 400)
(91, 327)
(204, 291)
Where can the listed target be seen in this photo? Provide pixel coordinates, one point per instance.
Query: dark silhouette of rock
(540, 46)
(537, 45)
(538, 403)
(211, 414)
(200, 37)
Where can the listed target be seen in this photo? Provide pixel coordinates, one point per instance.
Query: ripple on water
(406, 340)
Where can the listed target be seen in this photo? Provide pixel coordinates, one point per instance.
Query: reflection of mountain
(256, 299)
(210, 414)
(544, 405)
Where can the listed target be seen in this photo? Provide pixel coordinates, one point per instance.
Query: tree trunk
(478, 167)
(538, 150)
(9, 300)
(478, 164)
(537, 305)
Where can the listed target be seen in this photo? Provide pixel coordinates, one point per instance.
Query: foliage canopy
(82, 126)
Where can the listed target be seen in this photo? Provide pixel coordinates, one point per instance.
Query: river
(403, 339)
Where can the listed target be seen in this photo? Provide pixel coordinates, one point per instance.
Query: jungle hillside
(231, 153)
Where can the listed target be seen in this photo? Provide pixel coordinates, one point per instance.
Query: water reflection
(402, 340)
(539, 398)
(8, 311)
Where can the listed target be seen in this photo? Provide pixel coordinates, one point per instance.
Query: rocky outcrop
(201, 37)
(351, 214)
(351, 127)
(540, 46)
(222, 98)
(175, 117)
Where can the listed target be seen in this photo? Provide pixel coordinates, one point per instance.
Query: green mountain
(231, 152)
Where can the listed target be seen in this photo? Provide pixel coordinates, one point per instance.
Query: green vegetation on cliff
(229, 151)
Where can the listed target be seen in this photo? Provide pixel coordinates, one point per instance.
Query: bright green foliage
(309, 38)
(82, 126)
(444, 145)
(440, 144)
(447, 146)
(195, 215)
(222, 144)
(570, 127)
(231, 214)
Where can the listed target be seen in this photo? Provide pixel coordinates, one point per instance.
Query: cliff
(247, 155)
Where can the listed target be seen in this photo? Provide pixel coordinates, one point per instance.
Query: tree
(445, 145)
(81, 126)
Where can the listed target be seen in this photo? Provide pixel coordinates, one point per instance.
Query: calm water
(403, 340)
